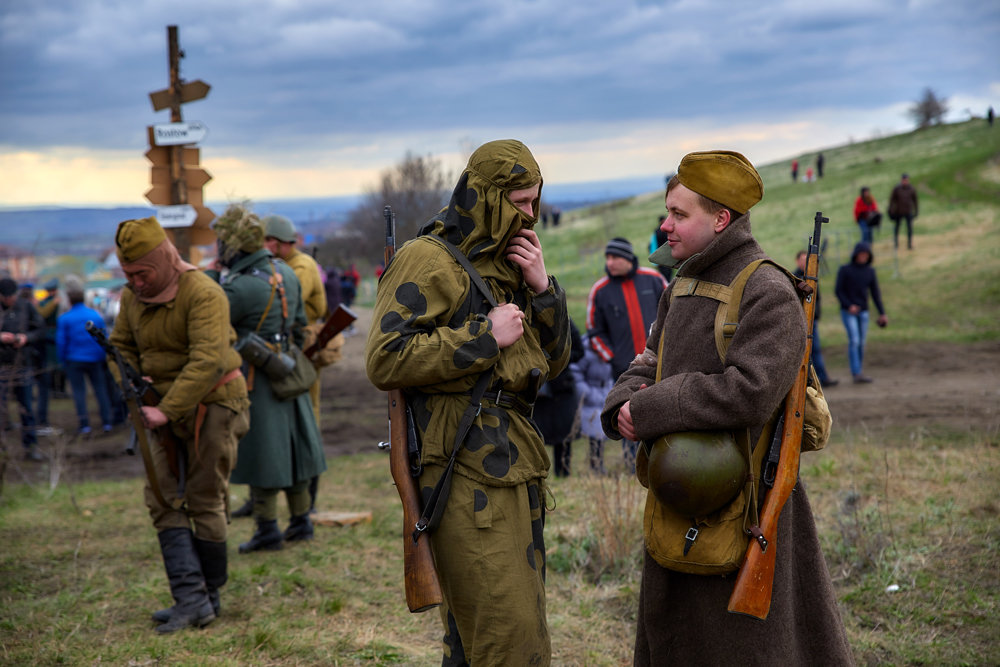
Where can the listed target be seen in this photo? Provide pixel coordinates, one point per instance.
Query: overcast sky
(316, 97)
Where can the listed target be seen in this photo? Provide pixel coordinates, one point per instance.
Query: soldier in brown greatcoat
(683, 618)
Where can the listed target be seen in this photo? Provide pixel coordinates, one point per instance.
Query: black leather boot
(214, 562)
(212, 556)
(313, 490)
(299, 528)
(267, 537)
(192, 606)
(246, 509)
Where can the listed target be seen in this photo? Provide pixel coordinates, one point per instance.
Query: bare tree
(416, 189)
(929, 110)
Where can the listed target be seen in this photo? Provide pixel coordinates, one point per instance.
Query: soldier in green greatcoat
(282, 450)
(434, 336)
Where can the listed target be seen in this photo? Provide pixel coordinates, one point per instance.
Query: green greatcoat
(283, 445)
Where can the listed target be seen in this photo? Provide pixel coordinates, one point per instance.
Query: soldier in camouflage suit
(433, 335)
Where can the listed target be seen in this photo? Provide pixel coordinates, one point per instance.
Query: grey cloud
(299, 74)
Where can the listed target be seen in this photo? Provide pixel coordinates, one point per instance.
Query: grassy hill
(946, 289)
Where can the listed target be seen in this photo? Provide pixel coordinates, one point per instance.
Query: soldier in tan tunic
(174, 328)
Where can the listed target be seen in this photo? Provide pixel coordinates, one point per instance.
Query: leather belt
(509, 400)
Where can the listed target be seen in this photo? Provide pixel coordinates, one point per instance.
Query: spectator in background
(50, 375)
(795, 171)
(819, 165)
(82, 356)
(556, 409)
(657, 239)
(903, 206)
(866, 214)
(855, 281)
(332, 287)
(620, 308)
(21, 329)
(817, 350)
(349, 281)
(593, 382)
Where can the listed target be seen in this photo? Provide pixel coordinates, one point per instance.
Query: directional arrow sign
(194, 176)
(190, 91)
(181, 215)
(160, 155)
(173, 134)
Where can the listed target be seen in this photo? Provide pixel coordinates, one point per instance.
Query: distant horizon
(563, 191)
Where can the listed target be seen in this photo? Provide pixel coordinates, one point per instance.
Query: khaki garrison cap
(723, 176)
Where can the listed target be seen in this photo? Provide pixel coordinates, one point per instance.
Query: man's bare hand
(525, 250)
(508, 324)
(153, 416)
(625, 425)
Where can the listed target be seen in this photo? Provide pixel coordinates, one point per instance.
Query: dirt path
(918, 385)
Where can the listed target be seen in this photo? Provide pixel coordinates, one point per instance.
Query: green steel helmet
(280, 228)
(695, 473)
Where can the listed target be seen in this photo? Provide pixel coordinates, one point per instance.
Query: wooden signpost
(176, 178)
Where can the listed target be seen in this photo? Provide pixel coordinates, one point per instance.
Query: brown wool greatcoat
(683, 617)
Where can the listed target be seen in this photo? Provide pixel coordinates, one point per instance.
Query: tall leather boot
(214, 562)
(244, 510)
(212, 556)
(267, 537)
(192, 606)
(313, 490)
(299, 528)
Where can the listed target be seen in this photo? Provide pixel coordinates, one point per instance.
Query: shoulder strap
(729, 297)
(467, 265)
(277, 285)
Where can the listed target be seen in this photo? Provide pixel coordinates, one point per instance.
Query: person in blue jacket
(855, 281)
(82, 357)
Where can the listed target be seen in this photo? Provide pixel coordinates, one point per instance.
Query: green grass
(80, 569)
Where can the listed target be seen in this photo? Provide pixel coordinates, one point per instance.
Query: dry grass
(81, 570)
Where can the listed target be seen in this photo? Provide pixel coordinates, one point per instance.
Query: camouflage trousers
(206, 484)
(490, 557)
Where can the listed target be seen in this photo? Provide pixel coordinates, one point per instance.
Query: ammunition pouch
(257, 352)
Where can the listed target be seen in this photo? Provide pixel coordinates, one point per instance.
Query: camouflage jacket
(430, 335)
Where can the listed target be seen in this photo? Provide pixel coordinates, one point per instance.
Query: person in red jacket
(866, 214)
(620, 308)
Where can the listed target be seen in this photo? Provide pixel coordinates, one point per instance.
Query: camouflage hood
(480, 218)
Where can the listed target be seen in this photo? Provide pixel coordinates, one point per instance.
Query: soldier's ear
(722, 220)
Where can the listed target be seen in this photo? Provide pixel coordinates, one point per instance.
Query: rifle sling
(435, 504)
(467, 265)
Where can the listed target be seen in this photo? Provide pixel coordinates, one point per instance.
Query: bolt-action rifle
(138, 392)
(423, 590)
(339, 320)
(752, 593)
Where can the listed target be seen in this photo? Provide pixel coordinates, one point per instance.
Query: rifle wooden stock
(339, 320)
(423, 590)
(754, 584)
